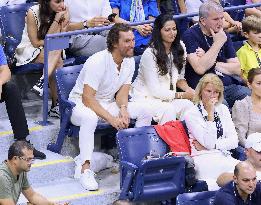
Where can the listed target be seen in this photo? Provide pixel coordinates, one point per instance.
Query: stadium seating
(142, 179)
(196, 198)
(12, 20)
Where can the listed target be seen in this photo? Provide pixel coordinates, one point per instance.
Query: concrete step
(52, 169)
(70, 190)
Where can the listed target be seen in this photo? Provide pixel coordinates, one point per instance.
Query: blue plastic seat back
(66, 78)
(12, 21)
(196, 198)
(136, 143)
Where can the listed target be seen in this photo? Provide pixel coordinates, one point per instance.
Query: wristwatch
(85, 24)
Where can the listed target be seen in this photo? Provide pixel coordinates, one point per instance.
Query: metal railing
(61, 41)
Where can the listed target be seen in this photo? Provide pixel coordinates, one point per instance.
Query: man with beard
(101, 92)
(13, 176)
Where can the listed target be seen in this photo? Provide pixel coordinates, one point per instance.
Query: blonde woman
(212, 131)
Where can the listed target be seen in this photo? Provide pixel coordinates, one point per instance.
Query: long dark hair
(159, 49)
(46, 18)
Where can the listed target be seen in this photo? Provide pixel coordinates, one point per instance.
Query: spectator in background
(246, 113)
(161, 72)
(47, 17)
(244, 189)
(101, 92)
(219, 56)
(212, 131)
(255, 10)
(9, 94)
(89, 14)
(137, 11)
(253, 154)
(249, 55)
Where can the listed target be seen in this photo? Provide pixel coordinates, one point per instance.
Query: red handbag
(174, 134)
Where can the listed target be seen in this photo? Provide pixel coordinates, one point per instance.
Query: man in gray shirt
(13, 176)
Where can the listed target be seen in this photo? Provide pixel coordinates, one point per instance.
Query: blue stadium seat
(12, 21)
(141, 179)
(196, 198)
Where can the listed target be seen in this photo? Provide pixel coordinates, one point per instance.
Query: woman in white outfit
(47, 17)
(212, 131)
(161, 71)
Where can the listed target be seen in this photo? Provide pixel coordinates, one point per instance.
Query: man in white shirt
(88, 14)
(253, 153)
(101, 91)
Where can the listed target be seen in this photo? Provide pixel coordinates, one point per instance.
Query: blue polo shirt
(150, 9)
(228, 195)
(2, 57)
(194, 38)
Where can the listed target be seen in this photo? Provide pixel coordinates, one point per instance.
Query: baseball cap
(254, 141)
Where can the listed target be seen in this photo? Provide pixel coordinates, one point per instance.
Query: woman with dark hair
(47, 17)
(162, 71)
(246, 113)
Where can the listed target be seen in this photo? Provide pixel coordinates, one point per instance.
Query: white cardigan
(149, 84)
(205, 132)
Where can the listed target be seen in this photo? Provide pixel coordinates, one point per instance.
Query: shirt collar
(14, 178)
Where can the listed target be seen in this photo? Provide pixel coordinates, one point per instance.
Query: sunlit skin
(209, 97)
(25, 162)
(57, 5)
(168, 33)
(214, 21)
(254, 39)
(246, 180)
(125, 46)
(254, 158)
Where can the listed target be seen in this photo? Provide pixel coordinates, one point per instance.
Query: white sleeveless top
(25, 51)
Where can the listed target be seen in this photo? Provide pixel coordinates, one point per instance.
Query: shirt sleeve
(224, 199)
(93, 73)
(115, 4)
(131, 65)
(5, 188)
(106, 11)
(190, 41)
(182, 73)
(229, 140)
(2, 57)
(153, 8)
(229, 48)
(240, 116)
(150, 72)
(26, 184)
(205, 132)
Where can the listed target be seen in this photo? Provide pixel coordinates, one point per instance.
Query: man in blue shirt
(217, 53)
(243, 190)
(10, 95)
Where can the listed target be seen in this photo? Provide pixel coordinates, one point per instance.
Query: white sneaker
(88, 181)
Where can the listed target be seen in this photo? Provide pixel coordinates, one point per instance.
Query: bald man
(244, 189)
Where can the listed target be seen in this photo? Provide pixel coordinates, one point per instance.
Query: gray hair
(209, 6)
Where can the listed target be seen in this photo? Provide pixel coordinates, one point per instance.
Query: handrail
(66, 35)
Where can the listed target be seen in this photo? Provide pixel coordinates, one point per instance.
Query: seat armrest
(129, 166)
